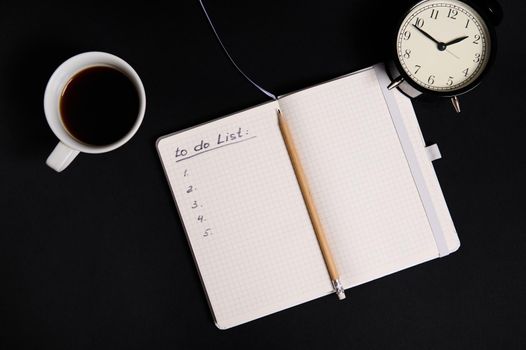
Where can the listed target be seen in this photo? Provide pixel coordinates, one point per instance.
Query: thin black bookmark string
(272, 96)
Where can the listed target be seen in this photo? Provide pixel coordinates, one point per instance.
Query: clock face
(443, 46)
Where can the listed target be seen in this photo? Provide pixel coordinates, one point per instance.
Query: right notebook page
(361, 180)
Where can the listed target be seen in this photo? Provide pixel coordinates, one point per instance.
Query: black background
(95, 257)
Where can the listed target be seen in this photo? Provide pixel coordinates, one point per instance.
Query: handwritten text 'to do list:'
(222, 139)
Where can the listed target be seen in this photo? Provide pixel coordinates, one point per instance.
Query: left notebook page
(244, 216)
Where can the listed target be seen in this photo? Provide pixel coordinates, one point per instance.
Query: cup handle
(61, 157)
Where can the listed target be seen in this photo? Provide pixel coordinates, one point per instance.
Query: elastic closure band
(412, 160)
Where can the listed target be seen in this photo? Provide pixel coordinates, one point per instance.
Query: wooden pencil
(311, 208)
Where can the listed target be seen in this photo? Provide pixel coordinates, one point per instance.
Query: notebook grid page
(359, 178)
(244, 216)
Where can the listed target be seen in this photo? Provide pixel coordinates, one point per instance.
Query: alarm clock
(444, 47)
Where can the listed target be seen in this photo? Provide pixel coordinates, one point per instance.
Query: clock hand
(427, 35)
(440, 45)
(452, 54)
(457, 40)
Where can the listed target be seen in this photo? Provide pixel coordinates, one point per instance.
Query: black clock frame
(491, 17)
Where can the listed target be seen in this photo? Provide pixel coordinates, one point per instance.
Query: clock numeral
(431, 80)
(450, 81)
(417, 68)
(466, 72)
(434, 14)
(477, 58)
(419, 22)
(407, 54)
(407, 35)
(477, 39)
(467, 24)
(452, 14)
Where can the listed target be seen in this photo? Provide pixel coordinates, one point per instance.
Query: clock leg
(456, 103)
(395, 83)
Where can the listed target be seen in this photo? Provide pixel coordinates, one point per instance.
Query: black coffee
(99, 105)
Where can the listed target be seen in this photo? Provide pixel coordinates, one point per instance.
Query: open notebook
(371, 177)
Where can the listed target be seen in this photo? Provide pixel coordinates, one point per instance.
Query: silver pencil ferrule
(338, 289)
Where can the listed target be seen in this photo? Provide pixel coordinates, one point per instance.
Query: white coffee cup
(69, 147)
